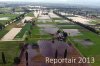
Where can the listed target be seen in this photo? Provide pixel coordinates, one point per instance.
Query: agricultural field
(30, 14)
(86, 42)
(7, 17)
(49, 33)
(7, 10)
(18, 9)
(9, 47)
(95, 21)
(7, 29)
(10, 16)
(24, 31)
(13, 48)
(57, 18)
(37, 34)
(45, 26)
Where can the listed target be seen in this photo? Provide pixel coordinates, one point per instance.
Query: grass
(57, 18)
(30, 14)
(24, 30)
(2, 33)
(69, 27)
(95, 21)
(6, 9)
(7, 29)
(13, 47)
(10, 16)
(8, 48)
(90, 51)
(3, 21)
(36, 35)
(45, 23)
(64, 24)
(19, 9)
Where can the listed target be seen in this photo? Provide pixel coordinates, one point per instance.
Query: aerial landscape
(49, 33)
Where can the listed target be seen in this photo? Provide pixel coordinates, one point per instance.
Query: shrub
(16, 60)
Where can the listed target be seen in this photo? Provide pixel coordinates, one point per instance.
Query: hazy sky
(83, 2)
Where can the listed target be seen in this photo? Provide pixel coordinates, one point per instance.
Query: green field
(7, 29)
(5, 10)
(11, 50)
(69, 27)
(36, 35)
(25, 29)
(89, 51)
(3, 21)
(57, 18)
(10, 16)
(30, 14)
(95, 21)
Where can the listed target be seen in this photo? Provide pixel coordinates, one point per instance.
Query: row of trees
(32, 23)
(83, 25)
(88, 27)
(3, 58)
(1, 26)
(65, 53)
(12, 20)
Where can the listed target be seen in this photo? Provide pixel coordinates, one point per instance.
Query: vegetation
(30, 14)
(69, 27)
(8, 48)
(10, 16)
(95, 21)
(24, 30)
(6, 29)
(57, 18)
(33, 35)
(89, 51)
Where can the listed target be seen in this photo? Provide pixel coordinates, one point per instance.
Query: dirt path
(11, 34)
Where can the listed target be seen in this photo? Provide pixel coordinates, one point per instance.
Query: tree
(26, 39)
(56, 54)
(25, 21)
(3, 58)
(13, 9)
(33, 23)
(16, 60)
(65, 53)
(26, 55)
(29, 32)
(1, 26)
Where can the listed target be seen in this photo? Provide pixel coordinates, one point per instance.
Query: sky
(83, 2)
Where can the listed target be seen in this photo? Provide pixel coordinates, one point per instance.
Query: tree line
(78, 23)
